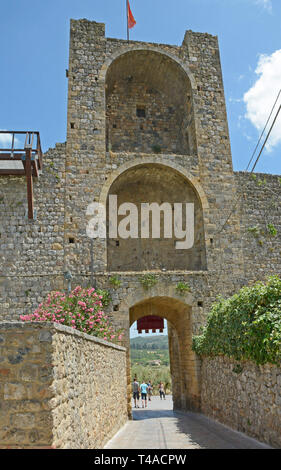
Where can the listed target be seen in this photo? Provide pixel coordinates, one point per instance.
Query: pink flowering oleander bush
(82, 310)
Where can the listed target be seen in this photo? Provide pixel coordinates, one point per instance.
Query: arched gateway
(177, 310)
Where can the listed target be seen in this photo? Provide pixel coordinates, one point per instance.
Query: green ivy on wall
(246, 326)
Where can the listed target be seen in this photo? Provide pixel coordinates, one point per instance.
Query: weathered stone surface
(242, 400)
(145, 121)
(77, 401)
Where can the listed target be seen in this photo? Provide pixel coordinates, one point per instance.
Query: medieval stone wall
(260, 209)
(244, 396)
(55, 390)
(32, 252)
(35, 254)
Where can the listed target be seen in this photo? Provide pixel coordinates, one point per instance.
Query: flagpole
(128, 38)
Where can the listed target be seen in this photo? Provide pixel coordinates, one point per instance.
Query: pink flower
(77, 290)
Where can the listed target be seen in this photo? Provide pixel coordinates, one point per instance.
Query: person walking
(136, 392)
(143, 389)
(162, 391)
(149, 390)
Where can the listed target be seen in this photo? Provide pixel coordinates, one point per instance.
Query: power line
(263, 131)
(257, 159)
(269, 132)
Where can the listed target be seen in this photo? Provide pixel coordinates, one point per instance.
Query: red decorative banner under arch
(151, 322)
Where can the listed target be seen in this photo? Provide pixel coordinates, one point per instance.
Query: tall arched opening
(149, 105)
(155, 183)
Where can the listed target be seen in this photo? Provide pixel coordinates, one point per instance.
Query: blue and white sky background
(34, 38)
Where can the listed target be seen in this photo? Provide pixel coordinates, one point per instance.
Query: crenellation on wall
(114, 44)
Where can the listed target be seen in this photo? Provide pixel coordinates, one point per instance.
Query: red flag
(131, 19)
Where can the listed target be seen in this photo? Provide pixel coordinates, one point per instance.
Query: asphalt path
(159, 427)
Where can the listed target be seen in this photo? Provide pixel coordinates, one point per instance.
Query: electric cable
(257, 159)
(263, 130)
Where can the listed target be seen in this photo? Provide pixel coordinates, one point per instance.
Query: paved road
(159, 427)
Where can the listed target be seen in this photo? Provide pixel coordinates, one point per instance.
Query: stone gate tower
(146, 123)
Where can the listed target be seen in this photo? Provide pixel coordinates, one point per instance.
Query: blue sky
(34, 36)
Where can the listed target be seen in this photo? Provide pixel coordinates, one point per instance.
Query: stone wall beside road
(59, 388)
(244, 396)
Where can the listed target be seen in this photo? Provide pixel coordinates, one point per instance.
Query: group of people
(144, 390)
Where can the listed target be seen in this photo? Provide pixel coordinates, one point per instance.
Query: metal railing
(30, 155)
(14, 152)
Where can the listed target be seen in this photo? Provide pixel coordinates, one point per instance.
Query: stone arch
(162, 301)
(161, 289)
(148, 180)
(149, 102)
(125, 49)
(149, 159)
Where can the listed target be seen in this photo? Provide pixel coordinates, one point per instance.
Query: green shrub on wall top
(182, 288)
(115, 281)
(148, 280)
(246, 326)
(82, 310)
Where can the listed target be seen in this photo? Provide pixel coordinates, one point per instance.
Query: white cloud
(265, 4)
(261, 96)
(6, 140)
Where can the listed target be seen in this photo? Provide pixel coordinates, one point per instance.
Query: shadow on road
(197, 430)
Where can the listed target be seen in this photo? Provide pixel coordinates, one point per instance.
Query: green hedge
(246, 326)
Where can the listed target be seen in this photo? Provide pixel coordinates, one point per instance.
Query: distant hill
(150, 343)
(150, 360)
